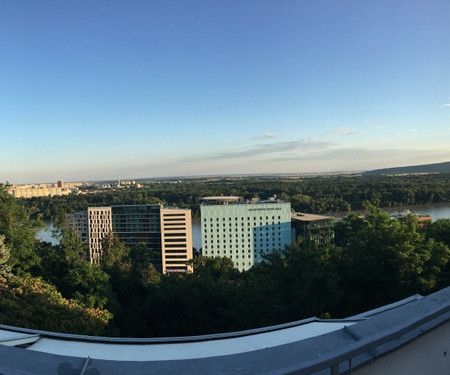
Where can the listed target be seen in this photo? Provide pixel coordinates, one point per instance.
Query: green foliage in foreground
(32, 303)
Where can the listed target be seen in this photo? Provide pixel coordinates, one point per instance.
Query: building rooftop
(309, 217)
(223, 200)
(311, 346)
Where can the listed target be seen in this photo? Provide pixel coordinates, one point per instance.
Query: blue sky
(191, 87)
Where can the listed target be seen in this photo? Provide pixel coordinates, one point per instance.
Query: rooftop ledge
(303, 347)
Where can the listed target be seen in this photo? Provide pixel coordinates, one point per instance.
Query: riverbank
(435, 210)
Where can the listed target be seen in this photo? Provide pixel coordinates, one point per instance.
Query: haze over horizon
(175, 88)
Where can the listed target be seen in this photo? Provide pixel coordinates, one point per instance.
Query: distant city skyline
(186, 88)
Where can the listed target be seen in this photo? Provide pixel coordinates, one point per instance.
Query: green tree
(5, 269)
(18, 231)
(142, 268)
(440, 231)
(66, 266)
(384, 260)
(32, 303)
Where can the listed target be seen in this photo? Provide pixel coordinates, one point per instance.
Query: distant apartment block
(167, 231)
(244, 230)
(42, 190)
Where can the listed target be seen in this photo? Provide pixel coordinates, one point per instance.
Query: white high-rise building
(244, 230)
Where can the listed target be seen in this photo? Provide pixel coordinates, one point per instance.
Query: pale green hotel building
(244, 230)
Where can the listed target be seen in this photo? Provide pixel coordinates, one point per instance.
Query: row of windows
(268, 234)
(261, 245)
(225, 240)
(242, 241)
(231, 252)
(242, 218)
(242, 224)
(234, 256)
(231, 230)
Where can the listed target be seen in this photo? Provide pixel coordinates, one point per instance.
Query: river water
(47, 233)
(436, 211)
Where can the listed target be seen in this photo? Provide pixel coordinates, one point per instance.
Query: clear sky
(148, 88)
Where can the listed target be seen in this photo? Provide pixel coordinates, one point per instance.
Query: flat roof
(186, 350)
(309, 217)
(222, 198)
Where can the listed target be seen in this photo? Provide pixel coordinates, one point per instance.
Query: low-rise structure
(423, 221)
(315, 230)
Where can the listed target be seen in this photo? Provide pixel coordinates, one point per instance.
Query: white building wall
(244, 231)
(99, 225)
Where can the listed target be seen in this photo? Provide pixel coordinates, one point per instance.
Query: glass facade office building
(244, 230)
(167, 231)
(137, 223)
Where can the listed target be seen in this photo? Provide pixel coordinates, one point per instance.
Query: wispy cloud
(305, 146)
(265, 136)
(317, 157)
(343, 131)
(446, 105)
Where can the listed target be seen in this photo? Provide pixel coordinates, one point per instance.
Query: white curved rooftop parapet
(310, 346)
(186, 350)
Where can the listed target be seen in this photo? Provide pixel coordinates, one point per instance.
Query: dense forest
(314, 194)
(376, 261)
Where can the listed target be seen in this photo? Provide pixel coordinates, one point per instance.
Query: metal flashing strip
(18, 340)
(385, 308)
(171, 340)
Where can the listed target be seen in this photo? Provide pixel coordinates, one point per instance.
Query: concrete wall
(428, 354)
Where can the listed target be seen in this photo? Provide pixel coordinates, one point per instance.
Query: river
(436, 211)
(46, 234)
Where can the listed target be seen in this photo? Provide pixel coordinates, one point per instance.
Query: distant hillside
(426, 168)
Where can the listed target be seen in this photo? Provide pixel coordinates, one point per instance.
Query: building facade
(78, 221)
(44, 190)
(244, 230)
(167, 231)
(315, 230)
(99, 225)
(176, 240)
